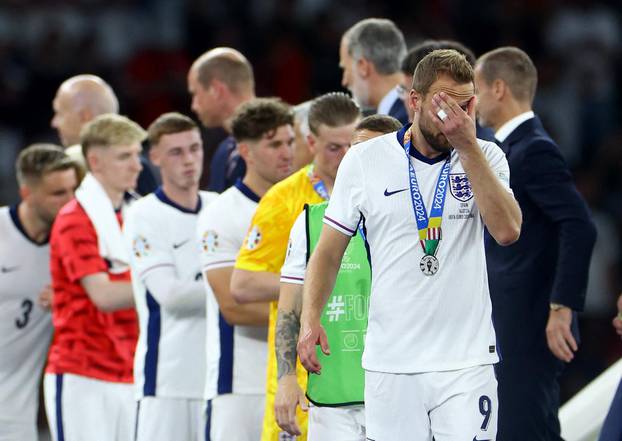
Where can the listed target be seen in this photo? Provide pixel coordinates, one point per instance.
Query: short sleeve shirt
(293, 270)
(87, 341)
(418, 323)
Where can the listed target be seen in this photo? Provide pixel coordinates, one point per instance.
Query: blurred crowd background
(144, 48)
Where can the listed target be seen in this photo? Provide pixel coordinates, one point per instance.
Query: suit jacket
(148, 179)
(549, 262)
(226, 167)
(398, 111)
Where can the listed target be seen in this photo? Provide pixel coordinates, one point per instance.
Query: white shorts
(18, 431)
(234, 417)
(169, 419)
(345, 423)
(449, 406)
(81, 408)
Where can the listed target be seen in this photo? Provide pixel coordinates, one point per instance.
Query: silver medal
(428, 265)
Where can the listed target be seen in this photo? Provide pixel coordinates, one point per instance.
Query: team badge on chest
(460, 187)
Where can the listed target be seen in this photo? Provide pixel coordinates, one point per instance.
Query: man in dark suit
(538, 283)
(370, 55)
(220, 81)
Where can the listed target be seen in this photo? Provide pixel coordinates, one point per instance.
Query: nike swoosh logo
(180, 244)
(475, 439)
(8, 269)
(390, 193)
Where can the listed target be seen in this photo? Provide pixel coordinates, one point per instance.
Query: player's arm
(251, 314)
(255, 277)
(76, 242)
(319, 283)
(108, 295)
(497, 206)
(254, 286)
(177, 296)
(549, 186)
(289, 394)
(152, 262)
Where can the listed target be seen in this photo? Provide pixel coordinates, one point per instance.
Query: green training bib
(345, 320)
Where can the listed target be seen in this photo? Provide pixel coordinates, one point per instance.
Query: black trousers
(612, 427)
(529, 397)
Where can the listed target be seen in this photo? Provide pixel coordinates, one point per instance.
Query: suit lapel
(526, 128)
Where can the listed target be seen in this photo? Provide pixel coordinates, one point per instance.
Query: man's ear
(311, 142)
(218, 89)
(244, 150)
(363, 67)
(415, 100)
(93, 159)
(85, 114)
(500, 89)
(154, 155)
(24, 192)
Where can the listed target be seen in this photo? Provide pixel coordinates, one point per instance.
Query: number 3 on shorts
(485, 408)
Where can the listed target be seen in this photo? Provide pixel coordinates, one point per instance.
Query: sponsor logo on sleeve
(253, 239)
(209, 241)
(140, 246)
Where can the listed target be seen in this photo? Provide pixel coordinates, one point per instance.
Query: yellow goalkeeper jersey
(264, 250)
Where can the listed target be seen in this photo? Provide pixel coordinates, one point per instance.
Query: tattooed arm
(289, 393)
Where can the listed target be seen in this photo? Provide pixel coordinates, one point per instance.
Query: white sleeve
(183, 297)
(499, 164)
(153, 265)
(293, 270)
(219, 246)
(149, 247)
(344, 208)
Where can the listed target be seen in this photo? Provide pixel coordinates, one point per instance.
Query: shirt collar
(159, 193)
(13, 212)
(387, 102)
(246, 191)
(506, 129)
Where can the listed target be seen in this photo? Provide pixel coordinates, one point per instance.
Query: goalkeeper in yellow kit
(332, 119)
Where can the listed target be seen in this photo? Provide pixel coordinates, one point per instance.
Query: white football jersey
(25, 328)
(418, 323)
(295, 265)
(170, 354)
(236, 355)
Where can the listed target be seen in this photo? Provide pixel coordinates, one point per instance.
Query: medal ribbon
(429, 227)
(317, 183)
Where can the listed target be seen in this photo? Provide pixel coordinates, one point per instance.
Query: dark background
(144, 48)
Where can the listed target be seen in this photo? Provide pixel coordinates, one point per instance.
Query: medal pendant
(429, 265)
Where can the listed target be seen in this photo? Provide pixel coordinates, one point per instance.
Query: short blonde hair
(441, 61)
(167, 124)
(37, 160)
(108, 130)
(333, 109)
